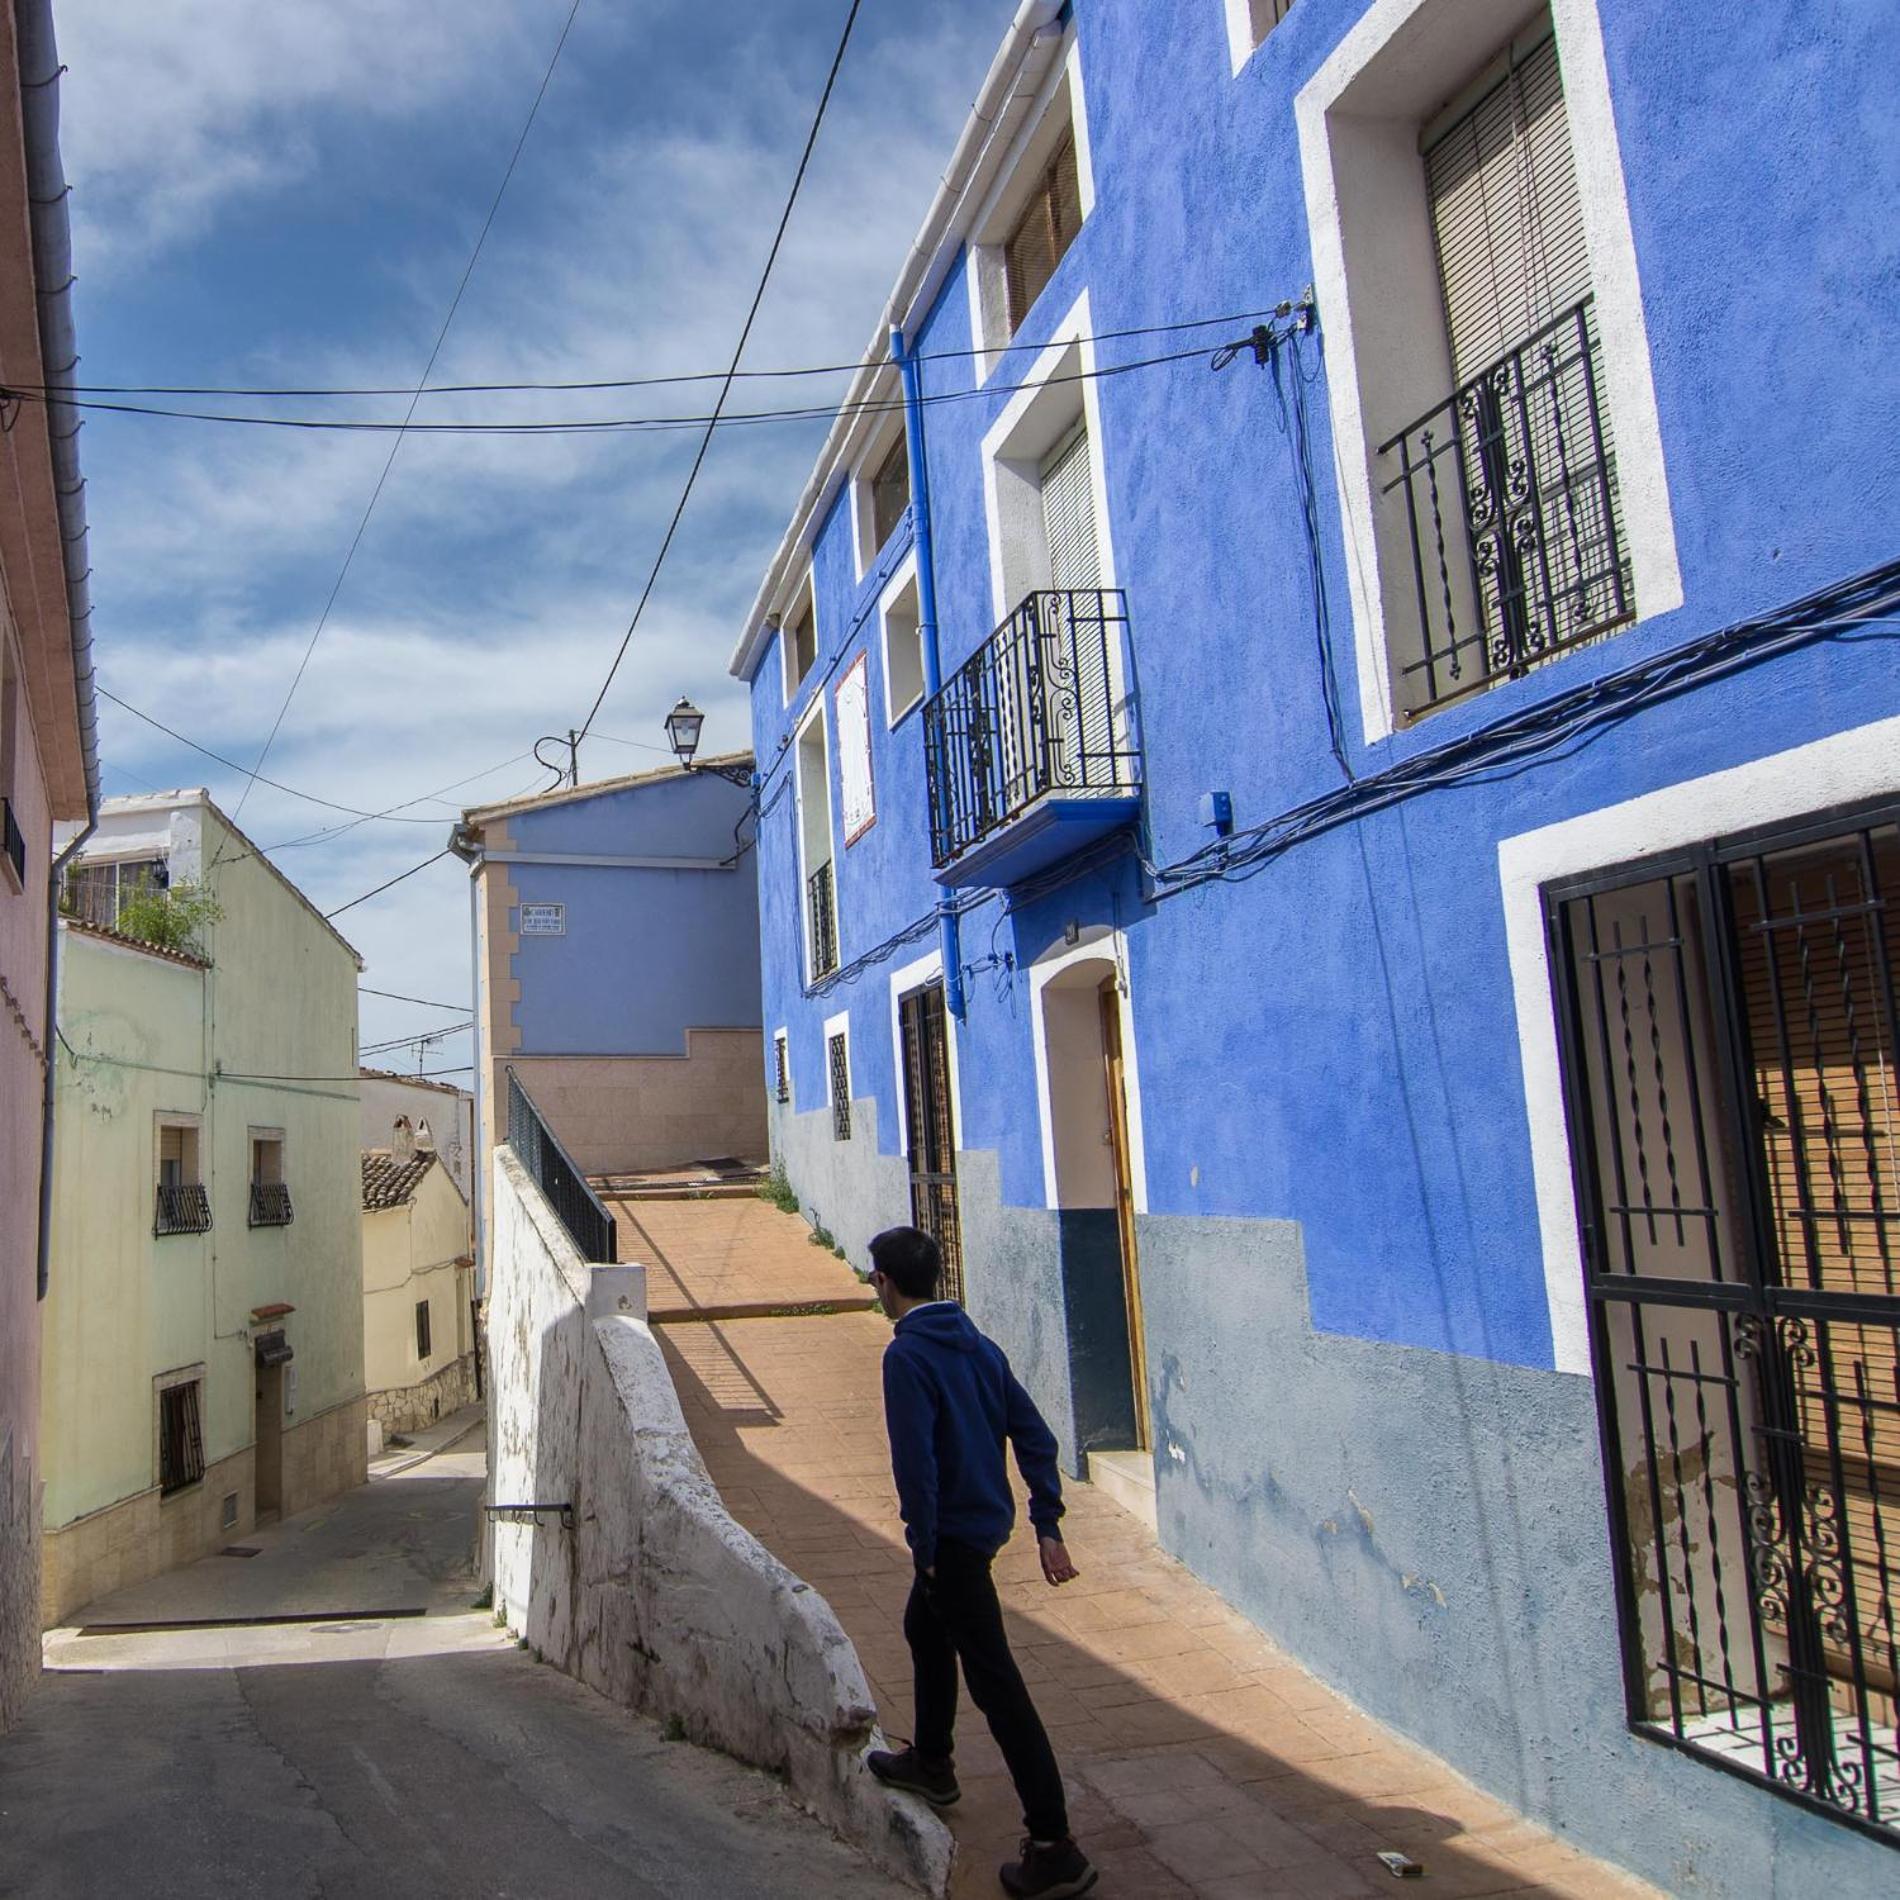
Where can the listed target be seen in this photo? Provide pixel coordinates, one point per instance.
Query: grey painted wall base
(1428, 1533)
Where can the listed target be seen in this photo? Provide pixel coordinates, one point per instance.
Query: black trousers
(955, 1616)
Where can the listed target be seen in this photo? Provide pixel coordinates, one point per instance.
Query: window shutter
(1043, 233)
(1506, 216)
(1068, 515)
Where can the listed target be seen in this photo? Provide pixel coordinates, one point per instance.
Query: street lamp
(682, 734)
(682, 731)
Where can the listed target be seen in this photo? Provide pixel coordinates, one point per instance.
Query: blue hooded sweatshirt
(950, 1400)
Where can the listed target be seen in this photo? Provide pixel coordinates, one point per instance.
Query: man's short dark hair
(909, 1259)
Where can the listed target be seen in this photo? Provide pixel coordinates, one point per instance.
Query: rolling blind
(1506, 218)
(1068, 515)
(1043, 233)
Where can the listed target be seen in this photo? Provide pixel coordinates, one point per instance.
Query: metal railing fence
(553, 1170)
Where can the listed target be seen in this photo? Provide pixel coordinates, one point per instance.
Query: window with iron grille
(1507, 485)
(181, 1204)
(423, 1343)
(181, 1454)
(1730, 1056)
(781, 1069)
(270, 1195)
(890, 493)
(1043, 232)
(838, 1056)
(12, 839)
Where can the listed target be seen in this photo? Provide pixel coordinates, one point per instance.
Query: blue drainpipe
(947, 929)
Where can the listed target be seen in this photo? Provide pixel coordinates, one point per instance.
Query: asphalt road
(369, 1754)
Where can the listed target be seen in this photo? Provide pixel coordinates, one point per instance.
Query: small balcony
(183, 1208)
(1030, 744)
(13, 842)
(1501, 506)
(270, 1204)
(822, 909)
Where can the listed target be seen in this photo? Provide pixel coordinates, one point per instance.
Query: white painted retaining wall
(655, 1596)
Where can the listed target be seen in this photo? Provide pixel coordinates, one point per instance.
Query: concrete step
(761, 1309)
(1128, 1478)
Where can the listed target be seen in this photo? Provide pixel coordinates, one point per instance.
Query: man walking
(950, 1400)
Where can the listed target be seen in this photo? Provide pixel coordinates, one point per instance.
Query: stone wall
(326, 1455)
(142, 1536)
(409, 1408)
(646, 1589)
(622, 1114)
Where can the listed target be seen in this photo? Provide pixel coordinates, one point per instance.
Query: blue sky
(287, 195)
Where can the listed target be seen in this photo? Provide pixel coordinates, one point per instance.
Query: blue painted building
(1327, 727)
(616, 954)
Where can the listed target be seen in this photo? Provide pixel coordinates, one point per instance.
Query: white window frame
(839, 1025)
(1245, 36)
(815, 714)
(1374, 274)
(1010, 472)
(782, 1046)
(903, 982)
(805, 594)
(1846, 768)
(1061, 101)
(903, 579)
(1093, 945)
(878, 445)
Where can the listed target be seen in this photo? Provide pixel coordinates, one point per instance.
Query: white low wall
(655, 1596)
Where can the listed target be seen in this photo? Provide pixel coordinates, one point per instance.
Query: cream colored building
(203, 1346)
(418, 1287)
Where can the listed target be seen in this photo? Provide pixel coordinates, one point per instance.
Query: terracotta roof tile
(388, 1182)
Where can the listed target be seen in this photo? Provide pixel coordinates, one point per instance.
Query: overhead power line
(345, 391)
(732, 368)
(425, 1001)
(386, 885)
(719, 418)
(455, 303)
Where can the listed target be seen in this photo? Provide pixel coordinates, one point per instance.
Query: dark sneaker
(906, 1769)
(1048, 1870)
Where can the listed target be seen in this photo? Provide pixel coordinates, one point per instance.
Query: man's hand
(1056, 1566)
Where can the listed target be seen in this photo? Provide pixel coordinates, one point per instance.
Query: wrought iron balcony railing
(823, 912)
(270, 1204)
(1032, 711)
(183, 1209)
(1506, 496)
(576, 1206)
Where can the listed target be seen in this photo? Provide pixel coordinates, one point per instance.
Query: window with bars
(838, 1062)
(424, 1342)
(181, 1453)
(890, 493)
(781, 1068)
(270, 1194)
(1730, 1056)
(181, 1204)
(1043, 232)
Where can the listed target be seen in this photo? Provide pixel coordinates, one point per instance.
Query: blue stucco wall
(1331, 1076)
(648, 954)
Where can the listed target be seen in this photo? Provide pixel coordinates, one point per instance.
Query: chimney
(402, 1140)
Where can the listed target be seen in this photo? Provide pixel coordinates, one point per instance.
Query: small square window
(181, 1205)
(798, 635)
(903, 645)
(181, 1453)
(423, 1343)
(890, 493)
